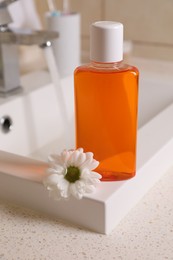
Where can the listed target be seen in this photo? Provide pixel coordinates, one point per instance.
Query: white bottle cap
(106, 41)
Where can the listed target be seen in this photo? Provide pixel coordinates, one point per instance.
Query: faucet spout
(26, 37)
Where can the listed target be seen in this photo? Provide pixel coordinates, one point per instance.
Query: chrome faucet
(9, 39)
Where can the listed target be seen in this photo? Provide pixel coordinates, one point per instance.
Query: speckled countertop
(146, 233)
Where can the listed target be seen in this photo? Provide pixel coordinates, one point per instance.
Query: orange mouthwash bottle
(106, 104)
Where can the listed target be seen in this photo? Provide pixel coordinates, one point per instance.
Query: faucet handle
(5, 3)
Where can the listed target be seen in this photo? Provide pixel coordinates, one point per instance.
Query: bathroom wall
(147, 23)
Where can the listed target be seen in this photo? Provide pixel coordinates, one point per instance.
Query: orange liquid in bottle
(106, 98)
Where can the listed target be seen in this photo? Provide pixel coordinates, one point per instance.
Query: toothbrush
(22, 167)
(66, 6)
(52, 8)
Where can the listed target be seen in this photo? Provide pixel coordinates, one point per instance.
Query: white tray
(101, 211)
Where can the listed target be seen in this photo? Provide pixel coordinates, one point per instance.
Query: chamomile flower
(71, 174)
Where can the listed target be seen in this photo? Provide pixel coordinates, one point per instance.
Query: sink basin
(36, 129)
(35, 116)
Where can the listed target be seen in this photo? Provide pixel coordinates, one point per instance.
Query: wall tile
(146, 21)
(91, 10)
(41, 9)
(152, 51)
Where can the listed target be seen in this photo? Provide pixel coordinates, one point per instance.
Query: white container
(67, 47)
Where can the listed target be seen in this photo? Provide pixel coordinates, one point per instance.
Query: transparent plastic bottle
(106, 102)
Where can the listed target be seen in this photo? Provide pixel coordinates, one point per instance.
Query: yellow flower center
(73, 174)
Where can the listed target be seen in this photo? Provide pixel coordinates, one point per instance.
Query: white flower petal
(79, 196)
(90, 177)
(65, 192)
(90, 164)
(51, 180)
(55, 194)
(62, 184)
(96, 175)
(89, 155)
(80, 150)
(90, 188)
(80, 186)
(74, 191)
(65, 155)
(73, 158)
(57, 186)
(55, 158)
(94, 164)
(81, 159)
(57, 169)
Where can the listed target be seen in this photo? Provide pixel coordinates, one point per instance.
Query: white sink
(38, 126)
(35, 115)
(38, 129)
